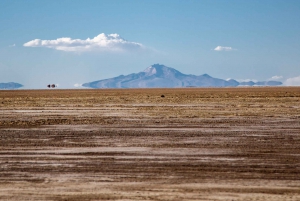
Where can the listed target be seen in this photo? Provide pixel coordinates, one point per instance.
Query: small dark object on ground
(162, 96)
(51, 85)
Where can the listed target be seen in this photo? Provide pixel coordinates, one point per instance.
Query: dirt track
(191, 144)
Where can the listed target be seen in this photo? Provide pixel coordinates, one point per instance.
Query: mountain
(10, 85)
(160, 76)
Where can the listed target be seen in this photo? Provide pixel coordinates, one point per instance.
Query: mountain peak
(206, 75)
(150, 70)
(154, 66)
(158, 66)
(160, 70)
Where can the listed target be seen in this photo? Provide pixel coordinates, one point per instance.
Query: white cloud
(221, 48)
(294, 81)
(102, 42)
(13, 45)
(276, 77)
(246, 80)
(77, 85)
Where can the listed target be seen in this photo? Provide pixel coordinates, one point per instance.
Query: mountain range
(160, 76)
(10, 85)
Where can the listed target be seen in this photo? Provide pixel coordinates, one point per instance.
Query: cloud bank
(102, 42)
(294, 81)
(221, 48)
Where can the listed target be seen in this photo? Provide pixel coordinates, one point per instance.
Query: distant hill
(10, 85)
(263, 83)
(160, 76)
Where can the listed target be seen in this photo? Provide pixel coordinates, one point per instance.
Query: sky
(70, 42)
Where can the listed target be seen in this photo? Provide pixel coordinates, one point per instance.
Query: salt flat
(133, 144)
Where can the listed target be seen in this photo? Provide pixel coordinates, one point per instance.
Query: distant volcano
(160, 76)
(10, 85)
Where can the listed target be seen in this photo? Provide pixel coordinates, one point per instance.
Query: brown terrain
(150, 144)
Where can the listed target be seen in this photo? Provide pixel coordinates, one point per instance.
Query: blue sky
(83, 41)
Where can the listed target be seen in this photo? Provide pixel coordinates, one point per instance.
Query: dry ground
(134, 144)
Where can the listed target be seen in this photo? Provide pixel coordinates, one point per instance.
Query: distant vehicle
(51, 86)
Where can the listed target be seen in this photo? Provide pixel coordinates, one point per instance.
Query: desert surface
(150, 144)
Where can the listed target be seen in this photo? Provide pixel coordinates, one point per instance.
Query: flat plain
(150, 144)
